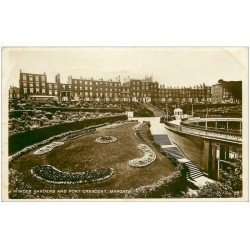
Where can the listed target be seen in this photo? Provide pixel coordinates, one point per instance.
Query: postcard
(125, 123)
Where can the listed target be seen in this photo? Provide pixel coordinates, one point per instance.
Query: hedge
(27, 138)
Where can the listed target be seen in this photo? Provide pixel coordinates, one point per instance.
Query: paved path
(157, 112)
(160, 134)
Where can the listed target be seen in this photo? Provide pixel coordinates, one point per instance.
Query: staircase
(193, 171)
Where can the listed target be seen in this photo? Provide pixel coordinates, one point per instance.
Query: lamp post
(167, 109)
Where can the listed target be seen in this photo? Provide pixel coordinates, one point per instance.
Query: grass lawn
(84, 153)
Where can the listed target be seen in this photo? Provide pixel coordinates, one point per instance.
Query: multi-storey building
(35, 86)
(14, 93)
(200, 93)
(227, 91)
(141, 90)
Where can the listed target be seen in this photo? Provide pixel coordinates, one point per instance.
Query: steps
(193, 171)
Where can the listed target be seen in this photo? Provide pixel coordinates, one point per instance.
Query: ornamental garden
(116, 160)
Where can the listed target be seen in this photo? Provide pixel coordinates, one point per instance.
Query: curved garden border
(47, 148)
(106, 139)
(138, 135)
(53, 175)
(148, 158)
(138, 126)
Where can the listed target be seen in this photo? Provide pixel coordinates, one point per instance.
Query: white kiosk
(178, 113)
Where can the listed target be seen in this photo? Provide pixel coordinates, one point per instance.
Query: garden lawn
(84, 153)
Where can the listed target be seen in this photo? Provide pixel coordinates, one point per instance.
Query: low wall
(27, 138)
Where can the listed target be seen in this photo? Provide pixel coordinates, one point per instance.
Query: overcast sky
(169, 66)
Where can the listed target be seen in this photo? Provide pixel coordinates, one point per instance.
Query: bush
(213, 190)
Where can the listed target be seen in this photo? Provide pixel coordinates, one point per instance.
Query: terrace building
(14, 93)
(145, 90)
(35, 87)
(196, 94)
(227, 92)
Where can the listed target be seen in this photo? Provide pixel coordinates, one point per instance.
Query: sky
(172, 66)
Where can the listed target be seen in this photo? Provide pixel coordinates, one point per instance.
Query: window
(86, 88)
(75, 81)
(24, 77)
(31, 91)
(50, 86)
(55, 86)
(80, 82)
(80, 87)
(43, 78)
(90, 83)
(43, 85)
(69, 86)
(37, 91)
(90, 88)
(55, 92)
(90, 94)
(50, 92)
(86, 94)
(75, 87)
(37, 78)
(63, 86)
(43, 91)
(31, 85)
(25, 91)
(30, 77)
(24, 84)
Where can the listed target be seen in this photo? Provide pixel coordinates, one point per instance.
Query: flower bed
(148, 158)
(138, 135)
(47, 148)
(106, 139)
(18, 154)
(78, 134)
(53, 175)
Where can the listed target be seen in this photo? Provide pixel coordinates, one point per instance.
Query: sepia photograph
(125, 123)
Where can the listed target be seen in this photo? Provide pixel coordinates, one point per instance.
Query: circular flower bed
(148, 158)
(106, 139)
(53, 175)
(47, 148)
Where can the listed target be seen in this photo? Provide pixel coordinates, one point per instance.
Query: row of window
(96, 83)
(31, 78)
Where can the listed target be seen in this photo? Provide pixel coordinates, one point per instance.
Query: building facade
(14, 93)
(196, 94)
(145, 90)
(227, 92)
(35, 86)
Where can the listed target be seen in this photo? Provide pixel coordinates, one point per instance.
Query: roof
(178, 109)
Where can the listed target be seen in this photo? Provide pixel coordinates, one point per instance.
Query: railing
(209, 133)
